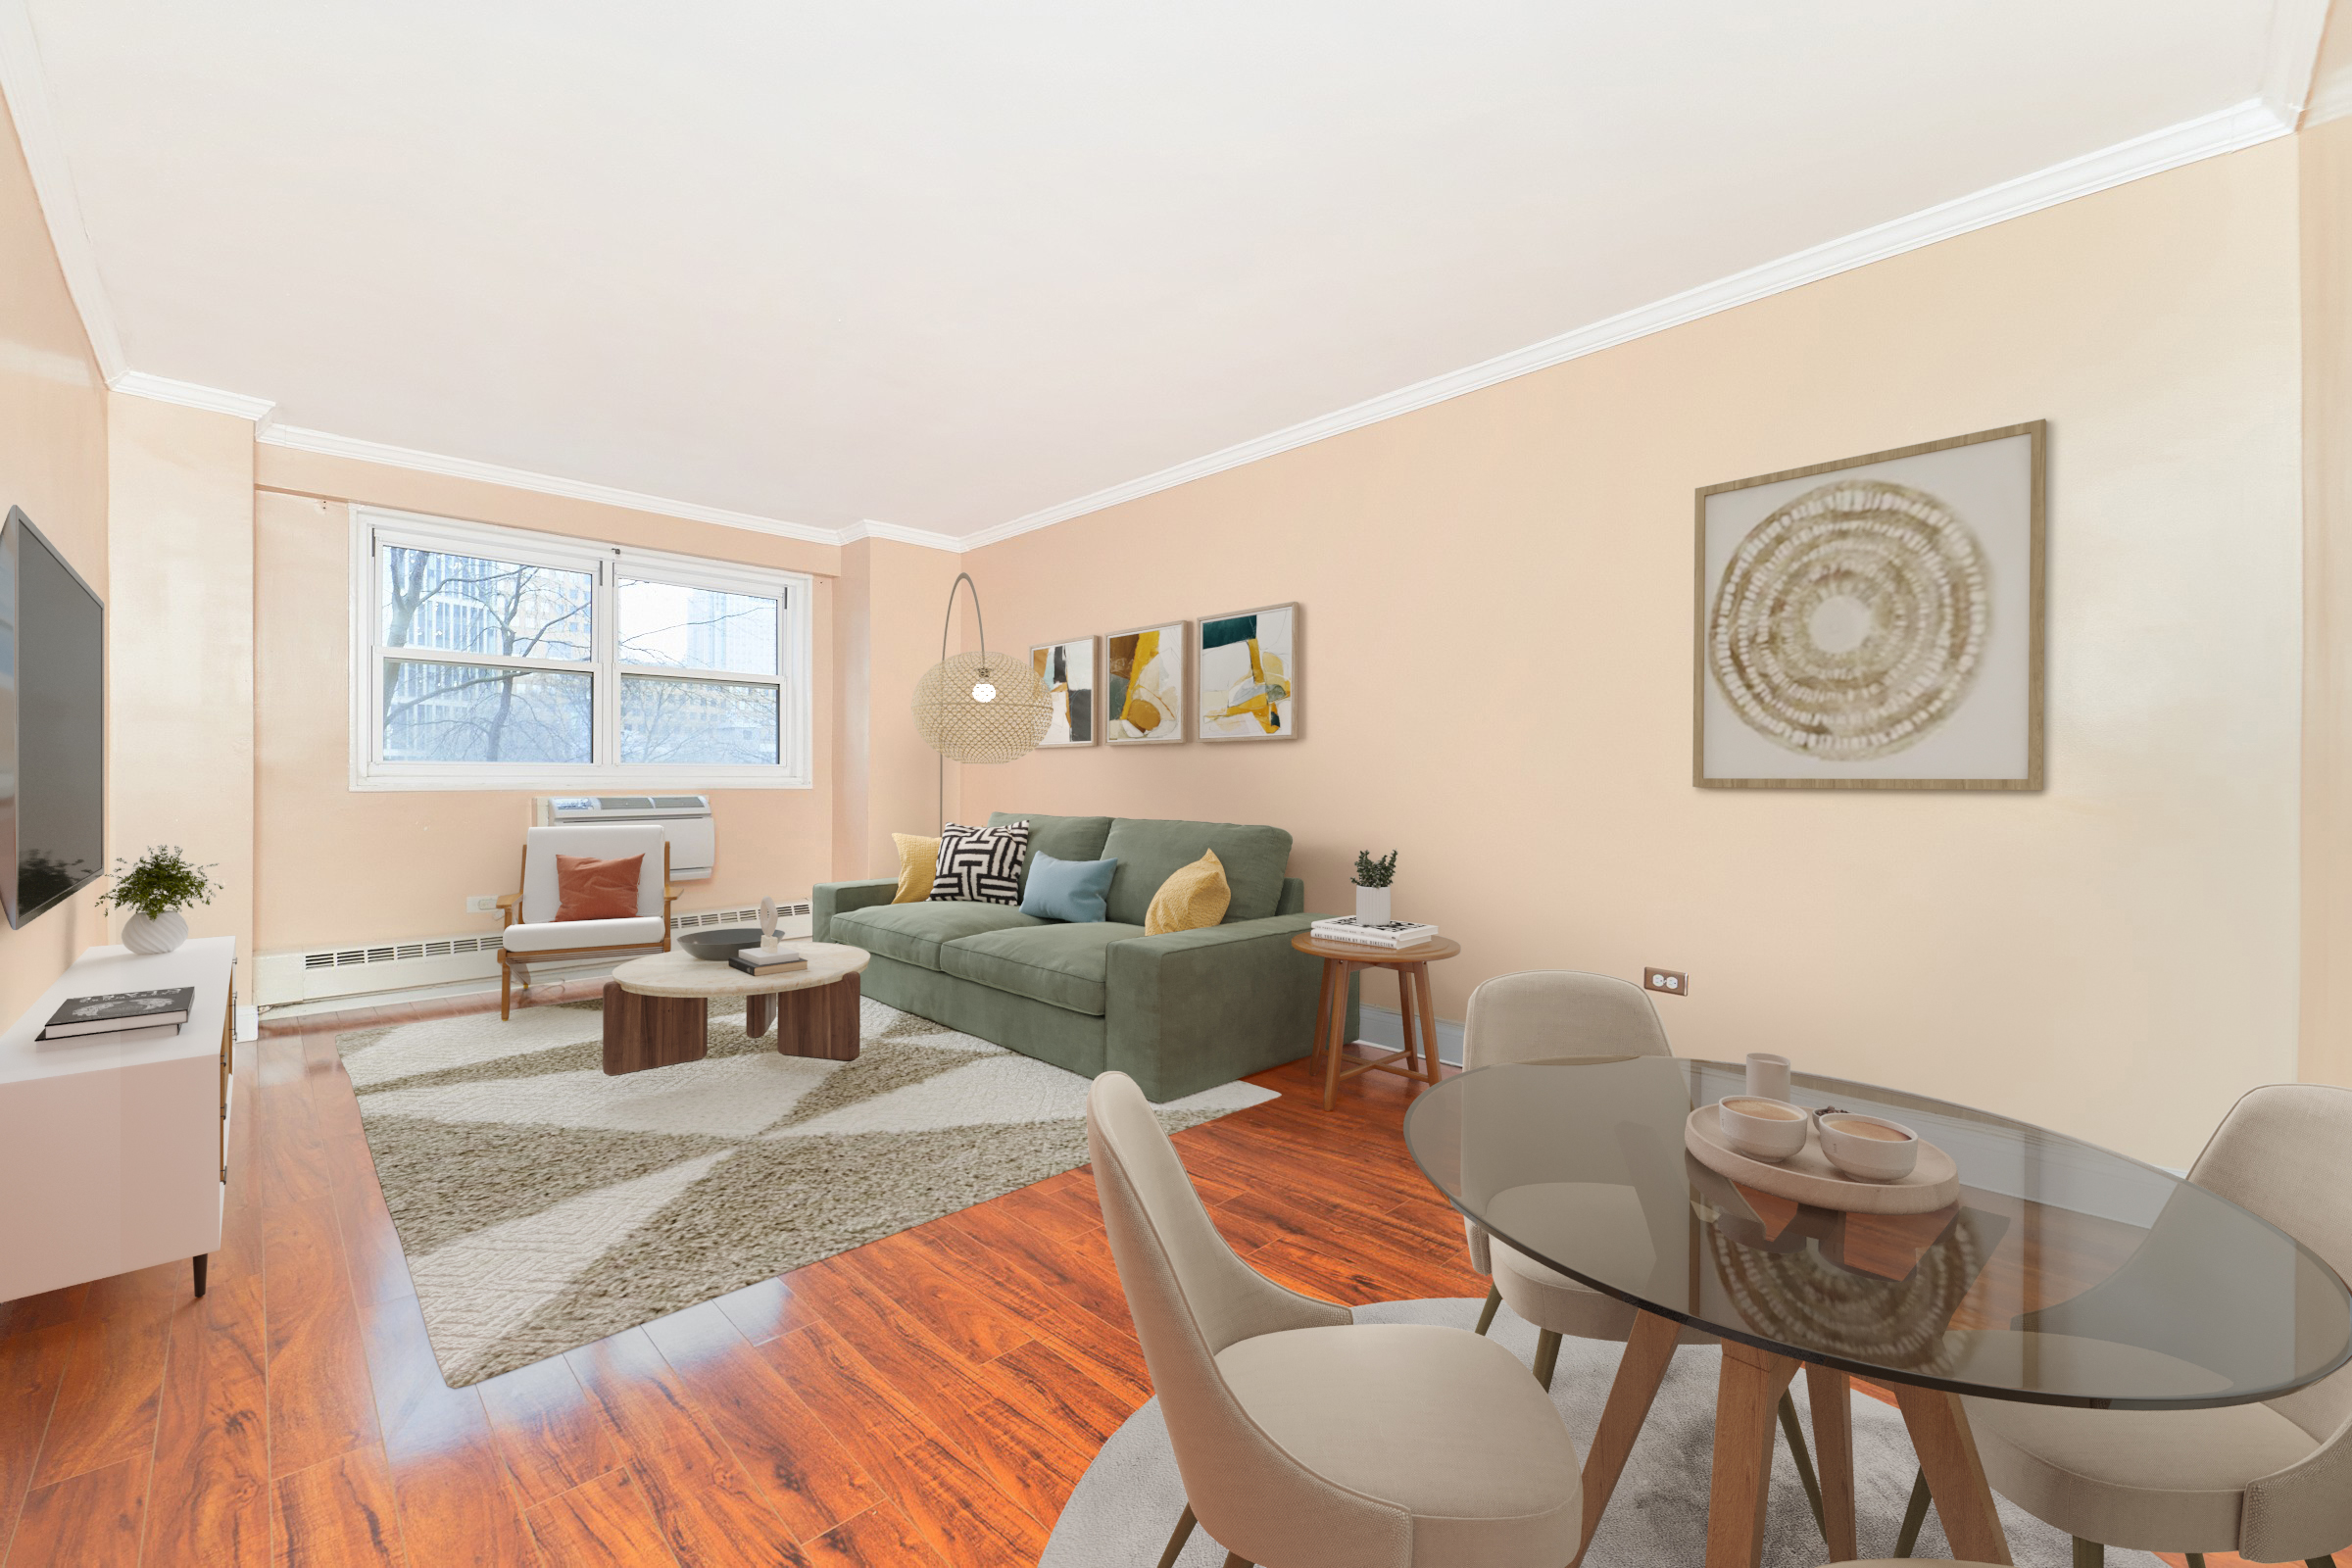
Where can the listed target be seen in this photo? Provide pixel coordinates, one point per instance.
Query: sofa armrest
(839, 898)
(1191, 1010)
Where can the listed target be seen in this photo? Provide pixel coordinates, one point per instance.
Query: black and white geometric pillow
(981, 865)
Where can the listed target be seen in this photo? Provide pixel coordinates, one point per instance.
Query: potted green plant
(155, 890)
(1372, 879)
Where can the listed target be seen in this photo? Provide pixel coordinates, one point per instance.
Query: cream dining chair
(1306, 1439)
(1566, 1015)
(2272, 1481)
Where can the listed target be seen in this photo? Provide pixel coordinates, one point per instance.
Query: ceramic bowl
(717, 947)
(1865, 1157)
(1773, 1130)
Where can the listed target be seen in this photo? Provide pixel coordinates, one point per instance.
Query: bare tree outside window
(441, 711)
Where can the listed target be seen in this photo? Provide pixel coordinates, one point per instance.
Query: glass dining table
(2064, 1274)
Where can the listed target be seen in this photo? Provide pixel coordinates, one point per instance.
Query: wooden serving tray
(1808, 1177)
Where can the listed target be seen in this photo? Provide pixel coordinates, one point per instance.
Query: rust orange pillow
(590, 889)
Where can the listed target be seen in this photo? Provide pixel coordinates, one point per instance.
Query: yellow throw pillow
(1196, 896)
(918, 867)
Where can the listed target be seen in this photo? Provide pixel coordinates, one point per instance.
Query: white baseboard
(1385, 1027)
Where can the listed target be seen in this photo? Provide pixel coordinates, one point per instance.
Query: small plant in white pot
(155, 890)
(1372, 879)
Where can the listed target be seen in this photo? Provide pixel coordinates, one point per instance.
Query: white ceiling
(945, 265)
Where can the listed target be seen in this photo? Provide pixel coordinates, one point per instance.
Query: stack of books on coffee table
(1387, 934)
(781, 960)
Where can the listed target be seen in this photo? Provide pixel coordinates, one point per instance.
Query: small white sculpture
(767, 926)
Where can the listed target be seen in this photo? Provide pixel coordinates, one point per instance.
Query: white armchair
(533, 932)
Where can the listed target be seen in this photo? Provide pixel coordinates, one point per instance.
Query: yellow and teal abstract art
(1145, 690)
(1249, 675)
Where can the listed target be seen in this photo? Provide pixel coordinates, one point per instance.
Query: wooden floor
(927, 1399)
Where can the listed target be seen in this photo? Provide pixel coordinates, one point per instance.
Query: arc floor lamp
(978, 708)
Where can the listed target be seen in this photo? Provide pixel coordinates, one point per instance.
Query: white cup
(1767, 1076)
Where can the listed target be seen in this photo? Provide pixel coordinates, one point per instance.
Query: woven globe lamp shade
(982, 707)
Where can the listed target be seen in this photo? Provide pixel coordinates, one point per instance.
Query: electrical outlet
(1673, 982)
(482, 903)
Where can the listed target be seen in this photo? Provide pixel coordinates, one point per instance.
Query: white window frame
(375, 527)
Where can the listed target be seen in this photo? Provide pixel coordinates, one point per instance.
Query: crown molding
(2226, 130)
(330, 445)
(26, 87)
(163, 389)
(2290, 51)
(2333, 101)
(929, 539)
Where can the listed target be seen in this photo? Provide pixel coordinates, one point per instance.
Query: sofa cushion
(1066, 837)
(1150, 852)
(1058, 965)
(1066, 890)
(911, 933)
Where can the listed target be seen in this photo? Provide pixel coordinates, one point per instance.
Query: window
(493, 659)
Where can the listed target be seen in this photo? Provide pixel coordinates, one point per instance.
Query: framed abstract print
(1066, 670)
(1248, 674)
(1875, 623)
(1143, 686)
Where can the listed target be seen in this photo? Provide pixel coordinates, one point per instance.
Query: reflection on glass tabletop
(2065, 1274)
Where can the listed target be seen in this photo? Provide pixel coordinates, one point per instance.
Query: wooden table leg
(1338, 1027)
(819, 1021)
(1745, 1402)
(642, 1032)
(1429, 1020)
(1408, 1016)
(1314, 1054)
(1947, 1455)
(755, 1014)
(1647, 1351)
(1829, 1395)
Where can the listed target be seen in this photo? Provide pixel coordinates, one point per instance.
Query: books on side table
(118, 1012)
(780, 961)
(1385, 934)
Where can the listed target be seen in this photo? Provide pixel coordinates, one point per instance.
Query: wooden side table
(1342, 959)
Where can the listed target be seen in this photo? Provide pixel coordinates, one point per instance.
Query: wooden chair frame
(511, 905)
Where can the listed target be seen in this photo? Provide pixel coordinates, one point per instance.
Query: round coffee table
(657, 1008)
(1342, 959)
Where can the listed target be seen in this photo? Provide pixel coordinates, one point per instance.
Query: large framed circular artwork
(1876, 623)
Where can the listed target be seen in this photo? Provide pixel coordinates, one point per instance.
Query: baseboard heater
(325, 973)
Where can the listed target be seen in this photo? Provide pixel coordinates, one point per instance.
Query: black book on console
(119, 1011)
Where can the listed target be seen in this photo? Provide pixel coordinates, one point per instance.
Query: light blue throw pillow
(1066, 890)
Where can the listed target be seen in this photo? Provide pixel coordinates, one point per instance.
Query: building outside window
(492, 657)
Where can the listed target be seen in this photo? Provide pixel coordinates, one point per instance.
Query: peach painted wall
(179, 635)
(892, 781)
(2326, 153)
(1497, 668)
(338, 865)
(53, 464)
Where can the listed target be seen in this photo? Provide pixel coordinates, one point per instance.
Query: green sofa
(1178, 1014)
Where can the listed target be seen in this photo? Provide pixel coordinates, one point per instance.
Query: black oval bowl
(718, 947)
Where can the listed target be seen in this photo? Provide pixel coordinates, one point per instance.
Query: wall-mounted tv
(52, 725)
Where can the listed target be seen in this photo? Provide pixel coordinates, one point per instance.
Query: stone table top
(682, 974)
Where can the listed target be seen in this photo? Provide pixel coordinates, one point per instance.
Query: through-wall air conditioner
(686, 819)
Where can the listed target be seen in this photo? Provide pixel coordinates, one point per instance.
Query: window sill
(705, 782)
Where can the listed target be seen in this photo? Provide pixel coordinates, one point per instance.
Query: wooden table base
(1420, 1052)
(1744, 1403)
(640, 1031)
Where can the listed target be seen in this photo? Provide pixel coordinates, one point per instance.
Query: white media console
(112, 1152)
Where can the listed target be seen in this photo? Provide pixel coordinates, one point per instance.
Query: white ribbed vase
(1372, 906)
(142, 935)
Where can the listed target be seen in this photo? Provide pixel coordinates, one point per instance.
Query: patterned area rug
(1127, 1501)
(542, 1206)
